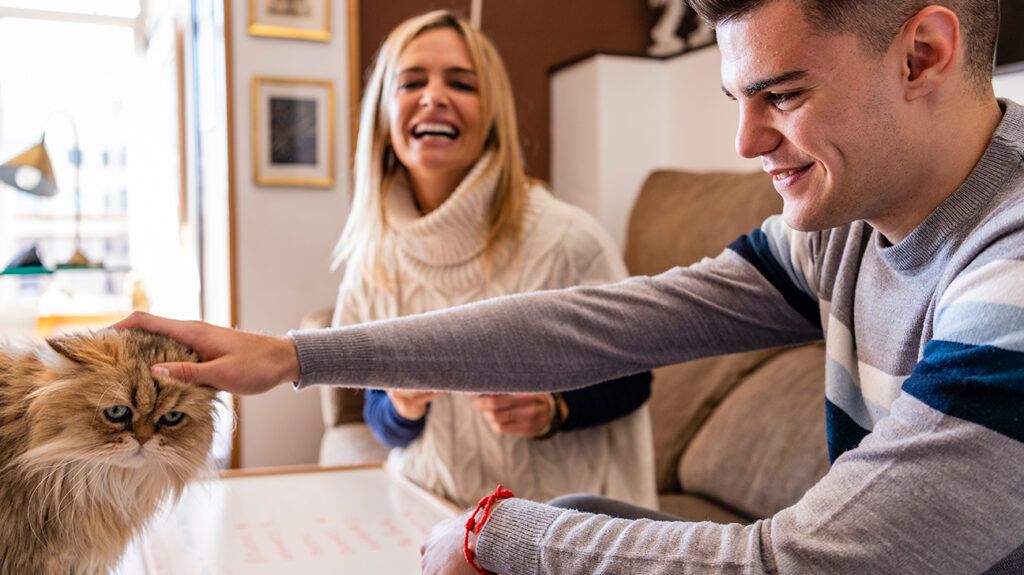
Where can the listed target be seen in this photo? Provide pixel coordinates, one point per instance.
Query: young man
(905, 177)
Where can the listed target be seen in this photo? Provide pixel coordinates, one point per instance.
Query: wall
(532, 36)
(616, 118)
(284, 236)
(1010, 86)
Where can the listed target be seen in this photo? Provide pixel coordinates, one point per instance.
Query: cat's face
(101, 405)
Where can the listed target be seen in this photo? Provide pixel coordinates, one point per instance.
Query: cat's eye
(172, 418)
(118, 413)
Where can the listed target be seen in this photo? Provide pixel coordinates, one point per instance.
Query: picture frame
(293, 128)
(295, 19)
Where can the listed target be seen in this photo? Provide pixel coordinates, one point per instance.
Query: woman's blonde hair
(375, 161)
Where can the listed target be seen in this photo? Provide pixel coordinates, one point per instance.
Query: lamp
(13, 173)
(34, 158)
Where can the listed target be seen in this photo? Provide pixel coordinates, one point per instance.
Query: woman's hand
(240, 362)
(520, 415)
(411, 405)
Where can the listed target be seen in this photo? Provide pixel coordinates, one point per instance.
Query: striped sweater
(924, 390)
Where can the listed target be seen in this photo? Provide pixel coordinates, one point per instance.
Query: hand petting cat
(242, 363)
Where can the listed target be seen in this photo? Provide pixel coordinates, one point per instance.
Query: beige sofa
(736, 437)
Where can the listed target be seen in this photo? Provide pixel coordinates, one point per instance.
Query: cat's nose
(142, 439)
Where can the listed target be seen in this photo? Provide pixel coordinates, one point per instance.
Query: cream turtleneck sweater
(437, 261)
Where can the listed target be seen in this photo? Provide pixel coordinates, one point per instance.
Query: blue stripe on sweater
(843, 432)
(978, 383)
(755, 248)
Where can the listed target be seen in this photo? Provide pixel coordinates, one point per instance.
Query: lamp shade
(34, 157)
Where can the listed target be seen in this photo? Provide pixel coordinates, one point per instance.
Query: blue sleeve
(604, 402)
(387, 426)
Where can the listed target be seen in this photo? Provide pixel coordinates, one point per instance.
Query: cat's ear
(51, 358)
(79, 349)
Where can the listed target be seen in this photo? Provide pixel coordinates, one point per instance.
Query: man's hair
(876, 22)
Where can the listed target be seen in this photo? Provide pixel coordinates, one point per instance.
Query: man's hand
(411, 405)
(232, 360)
(442, 553)
(519, 415)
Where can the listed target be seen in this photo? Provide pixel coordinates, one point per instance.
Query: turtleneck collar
(988, 177)
(453, 233)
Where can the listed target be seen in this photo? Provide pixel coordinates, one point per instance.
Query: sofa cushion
(764, 446)
(682, 396)
(692, 508)
(681, 217)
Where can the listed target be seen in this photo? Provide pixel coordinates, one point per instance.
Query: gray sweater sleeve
(561, 339)
(896, 505)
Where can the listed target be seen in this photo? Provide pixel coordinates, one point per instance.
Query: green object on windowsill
(44, 271)
(26, 271)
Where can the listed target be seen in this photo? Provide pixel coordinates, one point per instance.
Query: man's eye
(780, 99)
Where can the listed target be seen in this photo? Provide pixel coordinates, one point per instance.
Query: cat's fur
(75, 487)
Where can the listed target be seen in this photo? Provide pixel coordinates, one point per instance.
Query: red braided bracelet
(487, 504)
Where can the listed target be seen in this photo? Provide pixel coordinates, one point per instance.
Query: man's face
(821, 113)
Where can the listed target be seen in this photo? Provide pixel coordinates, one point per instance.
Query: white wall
(1010, 86)
(284, 236)
(616, 118)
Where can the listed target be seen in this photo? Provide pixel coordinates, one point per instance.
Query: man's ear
(930, 44)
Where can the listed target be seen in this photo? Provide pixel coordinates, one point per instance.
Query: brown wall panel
(532, 36)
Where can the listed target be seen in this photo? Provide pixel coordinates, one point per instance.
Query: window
(77, 85)
(120, 8)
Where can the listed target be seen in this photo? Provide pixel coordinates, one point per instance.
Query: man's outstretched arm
(937, 487)
(563, 339)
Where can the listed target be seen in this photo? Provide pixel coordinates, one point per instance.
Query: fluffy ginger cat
(90, 445)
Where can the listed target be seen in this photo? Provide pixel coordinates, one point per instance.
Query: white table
(305, 520)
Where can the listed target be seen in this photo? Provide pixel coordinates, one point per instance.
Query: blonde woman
(443, 214)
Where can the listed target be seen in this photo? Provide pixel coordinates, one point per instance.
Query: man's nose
(756, 136)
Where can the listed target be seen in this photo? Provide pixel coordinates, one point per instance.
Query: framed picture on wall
(293, 124)
(1010, 50)
(301, 19)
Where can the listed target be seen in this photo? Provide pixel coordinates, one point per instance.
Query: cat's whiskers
(65, 448)
(176, 465)
(51, 480)
(54, 479)
(52, 387)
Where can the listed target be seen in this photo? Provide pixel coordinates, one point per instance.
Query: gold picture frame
(296, 19)
(293, 128)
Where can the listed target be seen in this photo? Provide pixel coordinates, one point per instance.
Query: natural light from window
(119, 8)
(77, 84)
